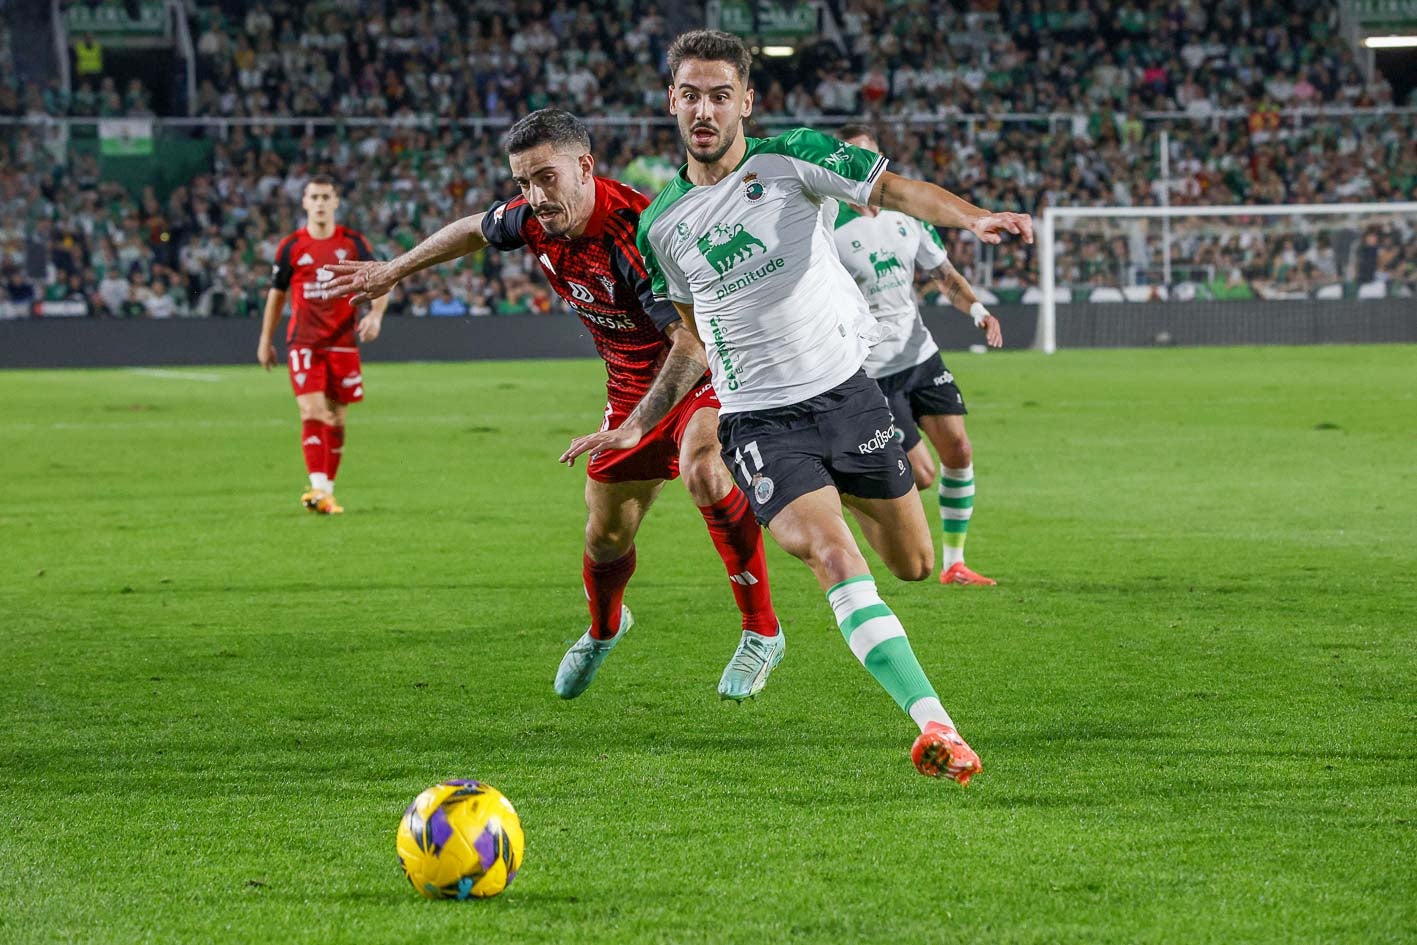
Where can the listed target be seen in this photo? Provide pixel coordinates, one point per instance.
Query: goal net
(1278, 274)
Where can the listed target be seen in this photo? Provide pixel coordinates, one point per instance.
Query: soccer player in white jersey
(881, 249)
(738, 242)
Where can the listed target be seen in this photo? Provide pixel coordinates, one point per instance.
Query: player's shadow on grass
(401, 893)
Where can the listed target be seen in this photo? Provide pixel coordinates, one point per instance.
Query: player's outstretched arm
(959, 293)
(683, 366)
(934, 204)
(265, 348)
(365, 280)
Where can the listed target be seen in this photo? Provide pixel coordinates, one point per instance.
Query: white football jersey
(882, 253)
(780, 318)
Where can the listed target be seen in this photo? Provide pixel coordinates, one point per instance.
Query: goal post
(1260, 274)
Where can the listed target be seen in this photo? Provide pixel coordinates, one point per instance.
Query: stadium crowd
(66, 233)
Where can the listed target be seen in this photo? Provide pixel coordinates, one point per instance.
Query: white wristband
(978, 312)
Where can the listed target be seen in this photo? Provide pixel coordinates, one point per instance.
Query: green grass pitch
(1194, 691)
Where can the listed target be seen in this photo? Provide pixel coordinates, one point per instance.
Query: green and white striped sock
(956, 506)
(876, 637)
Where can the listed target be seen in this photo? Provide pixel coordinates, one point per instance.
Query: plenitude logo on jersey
(724, 247)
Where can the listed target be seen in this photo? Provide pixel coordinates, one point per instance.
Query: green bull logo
(885, 262)
(725, 247)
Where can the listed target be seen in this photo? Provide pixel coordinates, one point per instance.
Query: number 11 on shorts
(752, 450)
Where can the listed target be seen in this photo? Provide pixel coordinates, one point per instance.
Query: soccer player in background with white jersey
(738, 242)
(321, 342)
(881, 249)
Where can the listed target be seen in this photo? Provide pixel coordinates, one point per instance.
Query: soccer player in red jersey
(322, 355)
(582, 230)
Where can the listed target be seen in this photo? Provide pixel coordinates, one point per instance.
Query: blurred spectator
(88, 57)
(445, 303)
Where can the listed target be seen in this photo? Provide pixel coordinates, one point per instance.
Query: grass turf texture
(1192, 690)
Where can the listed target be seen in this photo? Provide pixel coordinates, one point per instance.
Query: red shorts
(657, 455)
(333, 372)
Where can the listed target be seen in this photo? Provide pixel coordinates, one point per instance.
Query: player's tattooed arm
(952, 286)
(960, 294)
(364, 280)
(926, 201)
(683, 367)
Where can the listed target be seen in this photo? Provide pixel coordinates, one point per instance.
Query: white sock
(928, 710)
(331, 489)
(320, 482)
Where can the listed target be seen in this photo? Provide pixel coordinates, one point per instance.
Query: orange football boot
(957, 573)
(940, 752)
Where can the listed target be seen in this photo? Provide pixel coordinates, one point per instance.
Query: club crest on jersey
(579, 292)
(609, 283)
(762, 488)
(752, 189)
(341, 253)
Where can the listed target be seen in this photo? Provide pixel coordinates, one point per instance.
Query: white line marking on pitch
(174, 375)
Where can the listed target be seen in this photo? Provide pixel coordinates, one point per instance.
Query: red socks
(605, 591)
(315, 440)
(739, 540)
(336, 450)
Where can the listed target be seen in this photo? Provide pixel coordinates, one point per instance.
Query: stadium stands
(1017, 107)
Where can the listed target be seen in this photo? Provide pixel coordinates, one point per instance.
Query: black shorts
(924, 390)
(842, 438)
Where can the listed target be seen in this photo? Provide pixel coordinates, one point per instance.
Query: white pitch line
(174, 375)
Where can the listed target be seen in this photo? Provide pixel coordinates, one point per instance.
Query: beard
(558, 224)
(727, 137)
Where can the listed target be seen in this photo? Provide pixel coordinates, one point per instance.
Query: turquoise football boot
(583, 659)
(747, 672)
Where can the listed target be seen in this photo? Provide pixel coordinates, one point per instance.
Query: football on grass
(460, 840)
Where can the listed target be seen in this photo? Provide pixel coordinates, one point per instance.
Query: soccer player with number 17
(321, 354)
(738, 242)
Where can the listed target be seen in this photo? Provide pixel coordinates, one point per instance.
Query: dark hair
(546, 126)
(856, 129)
(321, 179)
(712, 45)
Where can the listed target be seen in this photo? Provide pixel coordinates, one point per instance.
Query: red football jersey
(601, 275)
(316, 319)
